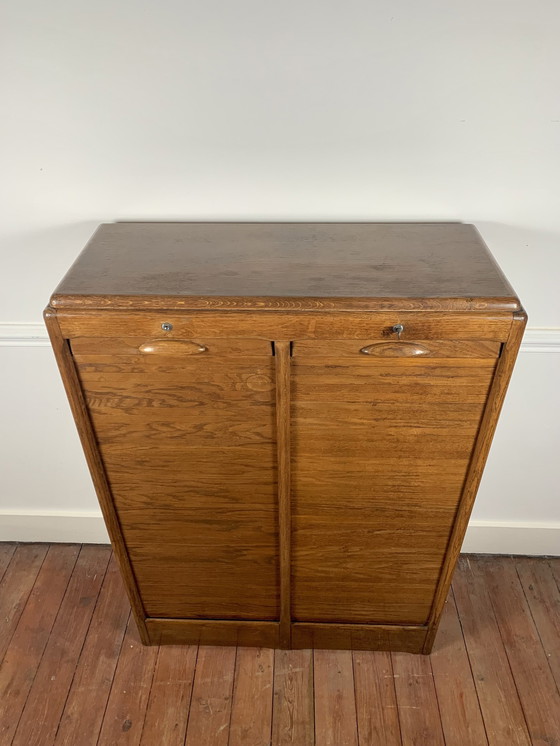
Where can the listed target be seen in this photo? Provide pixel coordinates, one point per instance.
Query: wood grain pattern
(338, 636)
(293, 711)
(126, 709)
(85, 705)
(286, 265)
(119, 346)
(251, 712)
(383, 381)
(554, 563)
(270, 304)
(533, 677)
(202, 518)
(23, 655)
(76, 399)
(543, 597)
(497, 693)
(167, 711)
(223, 424)
(371, 526)
(459, 709)
(211, 699)
(270, 325)
(135, 390)
(47, 696)
(335, 705)
(15, 587)
(6, 553)
(417, 701)
(213, 632)
(440, 348)
(376, 700)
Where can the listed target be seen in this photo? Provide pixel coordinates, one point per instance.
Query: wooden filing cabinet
(286, 424)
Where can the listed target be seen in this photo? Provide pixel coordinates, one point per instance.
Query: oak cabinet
(286, 424)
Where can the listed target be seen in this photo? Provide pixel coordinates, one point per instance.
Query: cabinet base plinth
(213, 632)
(408, 639)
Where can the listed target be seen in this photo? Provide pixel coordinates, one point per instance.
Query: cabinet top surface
(307, 266)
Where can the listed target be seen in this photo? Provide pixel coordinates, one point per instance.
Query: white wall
(298, 110)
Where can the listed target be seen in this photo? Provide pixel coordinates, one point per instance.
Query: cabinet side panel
(480, 454)
(83, 423)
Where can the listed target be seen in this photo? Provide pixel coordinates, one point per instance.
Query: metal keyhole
(166, 326)
(398, 329)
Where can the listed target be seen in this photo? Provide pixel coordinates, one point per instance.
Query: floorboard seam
(272, 705)
(471, 668)
(9, 562)
(510, 557)
(102, 721)
(25, 604)
(49, 636)
(536, 626)
(156, 658)
(191, 695)
(82, 648)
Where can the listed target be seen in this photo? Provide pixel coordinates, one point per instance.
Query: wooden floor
(74, 672)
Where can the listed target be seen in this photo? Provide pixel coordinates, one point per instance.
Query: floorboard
(16, 585)
(126, 709)
(39, 721)
(528, 660)
(376, 698)
(335, 701)
(89, 692)
(167, 712)
(417, 702)
(543, 596)
(293, 713)
(210, 714)
(25, 650)
(501, 709)
(6, 553)
(74, 673)
(251, 712)
(459, 708)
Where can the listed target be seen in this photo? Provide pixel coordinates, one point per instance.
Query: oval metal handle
(395, 349)
(172, 346)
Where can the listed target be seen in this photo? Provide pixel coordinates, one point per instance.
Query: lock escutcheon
(398, 329)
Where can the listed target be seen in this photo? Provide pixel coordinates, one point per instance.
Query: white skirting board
(483, 537)
(55, 526)
(493, 537)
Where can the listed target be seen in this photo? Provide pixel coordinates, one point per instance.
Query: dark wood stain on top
(300, 266)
